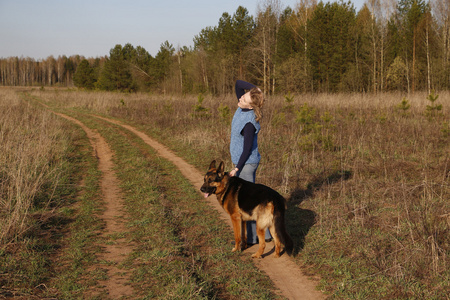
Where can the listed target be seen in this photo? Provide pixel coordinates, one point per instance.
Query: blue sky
(40, 28)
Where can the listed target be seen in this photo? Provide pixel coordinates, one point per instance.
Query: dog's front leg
(237, 224)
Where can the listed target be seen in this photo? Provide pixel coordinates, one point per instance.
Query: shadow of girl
(298, 220)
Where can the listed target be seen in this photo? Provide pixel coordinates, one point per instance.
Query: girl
(244, 140)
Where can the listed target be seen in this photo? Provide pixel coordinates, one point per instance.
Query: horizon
(39, 30)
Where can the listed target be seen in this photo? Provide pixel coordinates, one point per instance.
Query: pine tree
(331, 41)
(289, 73)
(84, 76)
(162, 63)
(242, 30)
(412, 13)
(116, 73)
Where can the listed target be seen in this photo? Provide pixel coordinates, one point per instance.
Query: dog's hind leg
(283, 236)
(243, 235)
(261, 232)
(276, 240)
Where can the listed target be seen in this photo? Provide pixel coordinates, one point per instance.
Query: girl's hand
(233, 172)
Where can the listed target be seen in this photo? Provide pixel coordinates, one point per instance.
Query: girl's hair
(257, 97)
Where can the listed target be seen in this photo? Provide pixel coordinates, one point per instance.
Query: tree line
(314, 47)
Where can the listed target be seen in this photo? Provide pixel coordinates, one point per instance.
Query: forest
(315, 47)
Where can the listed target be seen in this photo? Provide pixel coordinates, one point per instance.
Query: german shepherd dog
(247, 201)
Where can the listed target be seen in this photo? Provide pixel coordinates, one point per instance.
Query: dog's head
(213, 179)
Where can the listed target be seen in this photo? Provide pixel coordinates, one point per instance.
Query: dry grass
(372, 176)
(31, 144)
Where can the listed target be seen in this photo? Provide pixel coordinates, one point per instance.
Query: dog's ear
(212, 165)
(221, 169)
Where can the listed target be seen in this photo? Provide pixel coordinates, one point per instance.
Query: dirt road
(114, 253)
(283, 271)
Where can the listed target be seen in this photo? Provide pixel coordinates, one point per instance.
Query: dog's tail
(280, 228)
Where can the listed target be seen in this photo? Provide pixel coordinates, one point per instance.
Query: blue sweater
(244, 132)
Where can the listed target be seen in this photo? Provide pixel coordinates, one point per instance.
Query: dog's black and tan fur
(247, 201)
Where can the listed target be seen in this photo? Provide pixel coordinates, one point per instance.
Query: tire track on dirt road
(283, 271)
(115, 253)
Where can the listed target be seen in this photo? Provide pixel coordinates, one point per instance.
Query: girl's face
(245, 101)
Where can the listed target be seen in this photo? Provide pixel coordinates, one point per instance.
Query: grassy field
(367, 179)
(177, 254)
